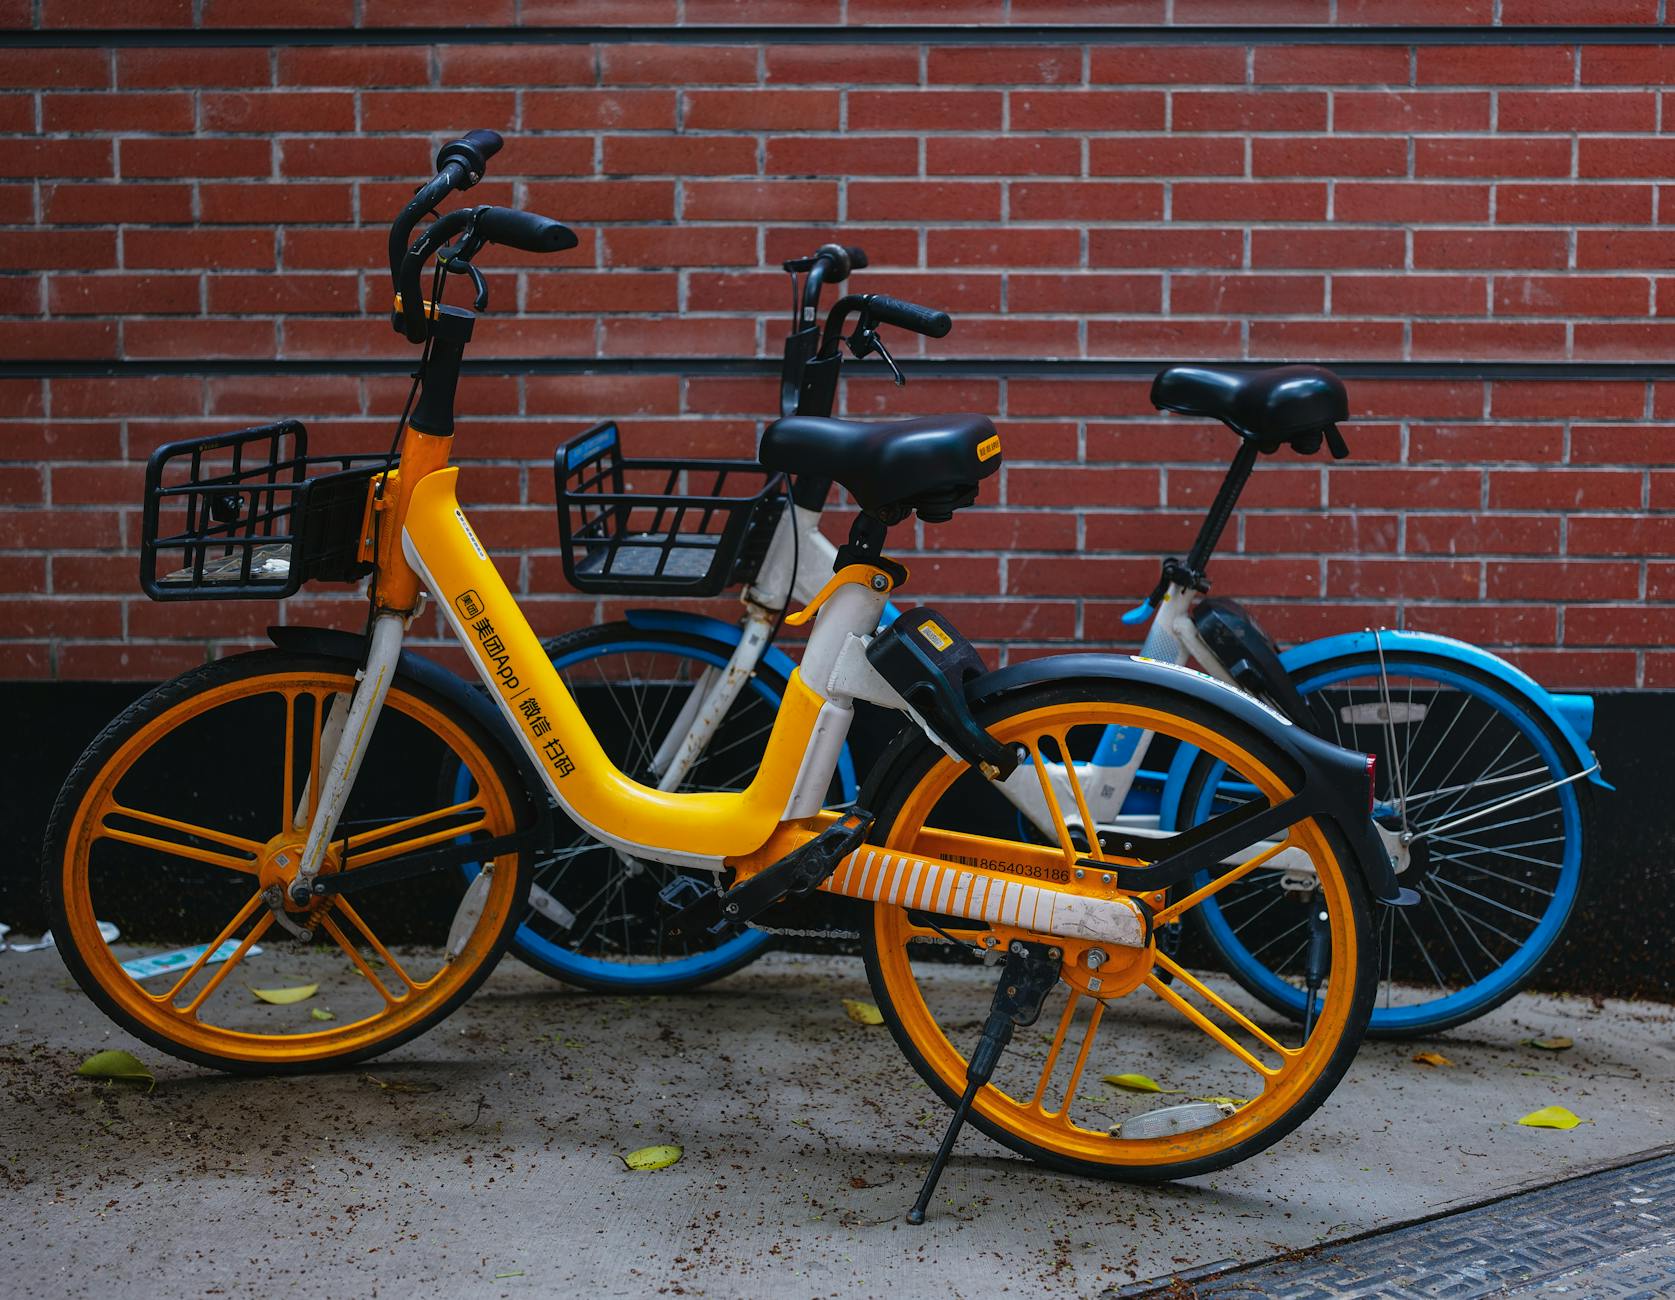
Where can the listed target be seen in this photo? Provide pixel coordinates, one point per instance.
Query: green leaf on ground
(284, 997)
(116, 1064)
(1558, 1043)
(320, 1013)
(649, 1158)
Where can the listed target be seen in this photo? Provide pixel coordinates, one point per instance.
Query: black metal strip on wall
(927, 368)
(949, 34)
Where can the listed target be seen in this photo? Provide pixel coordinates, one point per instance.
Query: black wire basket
(250, 516)
(661, 527)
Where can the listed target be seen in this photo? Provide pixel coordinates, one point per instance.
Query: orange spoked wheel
(1144, 1065)
(192, 804)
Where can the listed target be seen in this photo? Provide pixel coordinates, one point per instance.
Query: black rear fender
(1334, 782)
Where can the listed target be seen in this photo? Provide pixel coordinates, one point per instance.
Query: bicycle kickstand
(1317, 962)
(1030, 973)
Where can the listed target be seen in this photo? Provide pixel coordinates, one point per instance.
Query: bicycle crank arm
(799, 872)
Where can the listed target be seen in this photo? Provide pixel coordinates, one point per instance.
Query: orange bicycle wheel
(1140, 1067)
(196, 800)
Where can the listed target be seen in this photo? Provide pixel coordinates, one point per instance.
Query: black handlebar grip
(838, 262)
(526, 230)
(857, 258)
(472, 151)
(909, 315)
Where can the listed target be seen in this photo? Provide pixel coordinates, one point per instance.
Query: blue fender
(1572, 716)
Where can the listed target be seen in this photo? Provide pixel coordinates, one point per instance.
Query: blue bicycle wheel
(1478, 779)
(596, 919)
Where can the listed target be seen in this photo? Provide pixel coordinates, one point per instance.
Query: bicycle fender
(1572, 716)
(351, 647)
(712, 629)
(1339, 776)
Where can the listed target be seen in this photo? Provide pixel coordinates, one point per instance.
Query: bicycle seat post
(1221, 509)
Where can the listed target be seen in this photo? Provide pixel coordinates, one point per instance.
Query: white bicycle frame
(799, 561)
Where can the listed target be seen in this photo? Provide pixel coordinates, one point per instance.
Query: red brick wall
(1434, 202)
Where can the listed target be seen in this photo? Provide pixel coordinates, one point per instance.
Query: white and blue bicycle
(1483, 776)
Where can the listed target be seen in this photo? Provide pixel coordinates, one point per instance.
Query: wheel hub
(281, 860)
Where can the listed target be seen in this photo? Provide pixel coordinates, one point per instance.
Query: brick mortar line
(967, 36)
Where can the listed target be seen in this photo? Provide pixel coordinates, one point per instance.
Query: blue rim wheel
(1496, 879)
(595, 919)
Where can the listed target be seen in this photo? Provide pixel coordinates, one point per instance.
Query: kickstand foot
(1030, 973)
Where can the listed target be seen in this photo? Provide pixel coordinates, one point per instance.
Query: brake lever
(459, 256)
(865, 341)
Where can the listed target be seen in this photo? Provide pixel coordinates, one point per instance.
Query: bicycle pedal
(800, 871)
(696, 906)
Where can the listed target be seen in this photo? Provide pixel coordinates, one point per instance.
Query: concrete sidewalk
(806, 1136)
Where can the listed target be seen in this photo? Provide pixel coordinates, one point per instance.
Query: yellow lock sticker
(989, 448)
(935, 635)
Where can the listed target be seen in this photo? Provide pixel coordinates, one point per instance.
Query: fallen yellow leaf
(1551, 1117)
(1138, 1083)
(649, 1158)
(1432, 1058)
(862, 1013)
(1556, 1044)
(284, 997)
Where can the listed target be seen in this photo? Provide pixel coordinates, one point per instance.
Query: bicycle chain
(805, 934)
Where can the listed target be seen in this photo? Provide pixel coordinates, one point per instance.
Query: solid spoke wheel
(595, 917)
(186, 812)
(1479, 778)
(1234, 1077)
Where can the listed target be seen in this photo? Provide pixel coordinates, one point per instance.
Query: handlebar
(909, 315)
(485, 225)
(473, 150)
(460, 165)
(528, 231)
(838, 259)
(877, 307)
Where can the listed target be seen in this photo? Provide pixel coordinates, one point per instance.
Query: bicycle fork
(343, 745)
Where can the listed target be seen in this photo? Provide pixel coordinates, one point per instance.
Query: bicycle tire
(917, 781)
(1417, 940)
(90, 848)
